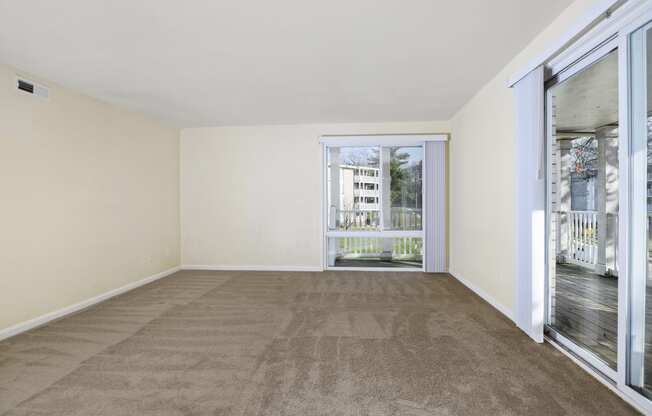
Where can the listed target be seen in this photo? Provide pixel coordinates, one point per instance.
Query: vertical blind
(530, 204)
(435, 156)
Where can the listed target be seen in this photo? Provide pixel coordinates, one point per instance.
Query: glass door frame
(575, 68)
(639, 256)
(379, 140)
(614, 32)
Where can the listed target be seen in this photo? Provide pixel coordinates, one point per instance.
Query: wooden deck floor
(586, 311)
(377, 263)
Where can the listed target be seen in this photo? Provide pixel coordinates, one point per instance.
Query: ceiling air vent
(33, 88)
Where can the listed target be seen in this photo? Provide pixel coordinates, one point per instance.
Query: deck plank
(585, 310)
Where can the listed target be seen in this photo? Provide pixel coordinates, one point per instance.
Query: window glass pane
(402, 187)
(583, 193)
(356, 196)
(401, 252)
(353, 192)
(640, 354)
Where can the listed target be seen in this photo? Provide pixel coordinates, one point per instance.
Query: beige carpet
(254, 343)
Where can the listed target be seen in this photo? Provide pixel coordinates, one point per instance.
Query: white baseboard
(484, 295)
(252, 268)
(43, 319)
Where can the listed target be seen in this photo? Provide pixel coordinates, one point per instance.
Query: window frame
(551, 332)
(380, 141)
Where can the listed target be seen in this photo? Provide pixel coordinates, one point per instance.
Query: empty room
(301, 208)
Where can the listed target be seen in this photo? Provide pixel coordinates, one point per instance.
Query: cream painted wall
(91, 193)
(90, 199)
(251, 196)
(482, 175)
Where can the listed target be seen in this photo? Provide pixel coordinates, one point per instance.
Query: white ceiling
(588, 99)
(240, 62)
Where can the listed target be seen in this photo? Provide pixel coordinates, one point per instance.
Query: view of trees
(405, 172)
(406, 179)
(584, 152)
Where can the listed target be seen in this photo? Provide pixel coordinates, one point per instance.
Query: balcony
(367, 218)
(354, 251)
(366, 179)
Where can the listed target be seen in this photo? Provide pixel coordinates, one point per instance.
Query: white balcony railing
(403, 248)
(366, 179)
(583, 237)
(366, 192)
(406, 219)
(359, 220)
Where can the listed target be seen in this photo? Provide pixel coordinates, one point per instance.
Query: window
(378, 252)
(405, 188)
(373, 191)
(345, 213)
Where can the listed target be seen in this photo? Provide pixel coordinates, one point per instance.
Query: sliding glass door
(599, 206)
(640, 287)
(582, 194)
(374, 206)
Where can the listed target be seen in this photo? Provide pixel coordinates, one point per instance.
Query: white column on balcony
(386, 199)
(565, 166)
(612, 183)
(334, 205)
(601, 199)
(607, 198)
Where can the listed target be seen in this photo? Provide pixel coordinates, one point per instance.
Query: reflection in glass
(583, 202)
